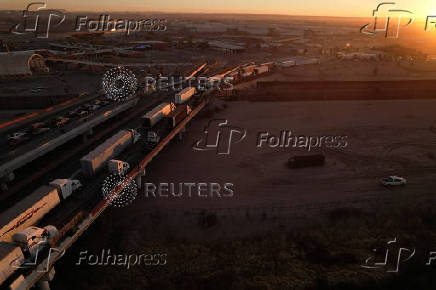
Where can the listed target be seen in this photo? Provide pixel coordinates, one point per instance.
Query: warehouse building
(21, 64)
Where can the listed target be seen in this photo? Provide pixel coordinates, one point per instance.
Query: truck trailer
(184, 95)
(66, 187)
(97, 159)
(118, 167)
(154, 116)
(11, 257)
(28, 211)
(178, 115)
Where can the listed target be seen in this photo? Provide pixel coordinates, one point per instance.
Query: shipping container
(178, 115)
(28, 211)
(157, 114)
(11, 257)
(184, 95)
(97, 159)
(306, 161)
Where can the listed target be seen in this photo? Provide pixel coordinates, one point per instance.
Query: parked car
(16, 135)
(18, 138)
(83, 94)
(35, 90)
(93, 108)
(38, 125)
(82, 114)
(40, 131)
(61, 121)
(72, 113)
(393, 181)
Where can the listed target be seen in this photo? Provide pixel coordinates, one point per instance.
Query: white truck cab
(66, 186)
(33, 239)
(118, 167)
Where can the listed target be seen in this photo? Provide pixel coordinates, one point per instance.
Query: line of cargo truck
(21, 240)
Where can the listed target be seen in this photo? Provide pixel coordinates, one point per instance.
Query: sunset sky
(346, 8)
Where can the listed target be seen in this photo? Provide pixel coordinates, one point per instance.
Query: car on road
(72, 113)
(38, 125)
(61, 121)
(82, 113)
(39, 131)
(83, 94)
(18, 138)
(393, 181)
(16, 135)
(93, 108)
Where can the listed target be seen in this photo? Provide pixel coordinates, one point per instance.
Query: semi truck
(23, 250)
(178, 115)
(152, 138)
(11, 257)
(32, 240)
(154, 116)
(28, 211)
(184, 95)
(97, 159)
(306, 161)
(118, 167)
(66, 187)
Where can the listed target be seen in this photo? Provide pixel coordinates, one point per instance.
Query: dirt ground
(384, 138)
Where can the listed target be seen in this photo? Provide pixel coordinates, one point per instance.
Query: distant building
(87, 35)
(21, 64)
(150, 44)
(226, 47)
(298, 60)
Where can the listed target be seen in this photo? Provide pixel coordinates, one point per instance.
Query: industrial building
(227, 47)
(150, 44)
(21, 63)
